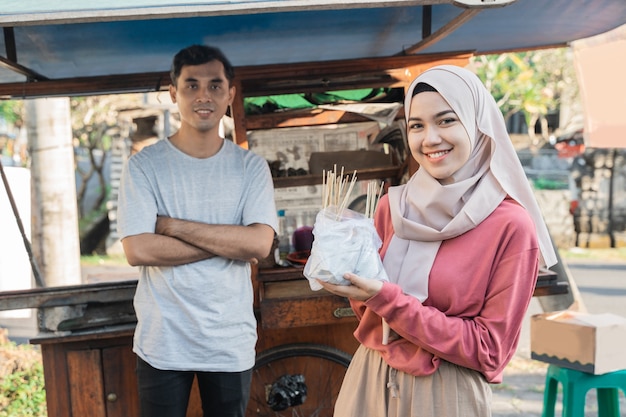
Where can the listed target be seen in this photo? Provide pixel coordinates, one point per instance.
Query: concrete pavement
(521, 392)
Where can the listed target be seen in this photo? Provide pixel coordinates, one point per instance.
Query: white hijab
(425, 212)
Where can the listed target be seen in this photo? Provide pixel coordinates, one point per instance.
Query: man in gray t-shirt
(194, 211)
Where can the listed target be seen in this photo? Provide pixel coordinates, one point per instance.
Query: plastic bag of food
(344, 241)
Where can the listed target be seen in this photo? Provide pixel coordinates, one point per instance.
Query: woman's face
(437, 138)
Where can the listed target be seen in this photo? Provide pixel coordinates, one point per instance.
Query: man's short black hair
(198, 55)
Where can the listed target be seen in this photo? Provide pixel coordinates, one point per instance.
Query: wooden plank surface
(86, 388)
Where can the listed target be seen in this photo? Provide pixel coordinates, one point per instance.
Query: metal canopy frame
(47, 48)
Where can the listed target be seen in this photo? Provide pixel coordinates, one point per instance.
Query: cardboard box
(592, 343)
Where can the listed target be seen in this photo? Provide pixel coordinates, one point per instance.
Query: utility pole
(611, 221)
(55, 239)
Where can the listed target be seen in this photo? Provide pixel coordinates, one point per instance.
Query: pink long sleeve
(480, 286)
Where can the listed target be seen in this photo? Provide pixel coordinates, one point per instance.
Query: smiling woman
(441, 270)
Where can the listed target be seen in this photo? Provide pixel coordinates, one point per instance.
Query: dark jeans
(166, 393)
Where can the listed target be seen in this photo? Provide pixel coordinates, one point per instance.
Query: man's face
(203, 95)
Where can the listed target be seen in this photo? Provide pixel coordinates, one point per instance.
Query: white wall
(15, 271)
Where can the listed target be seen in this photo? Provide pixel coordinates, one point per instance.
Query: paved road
(602, 286)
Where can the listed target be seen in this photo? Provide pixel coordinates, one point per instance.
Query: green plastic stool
(575, 387)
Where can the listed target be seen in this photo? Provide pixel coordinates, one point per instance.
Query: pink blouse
(479, 289)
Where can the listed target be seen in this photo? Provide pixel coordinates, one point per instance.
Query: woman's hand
(360, 289)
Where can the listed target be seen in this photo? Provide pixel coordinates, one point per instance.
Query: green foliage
(534, 83)
(110, 260)
(22, 388)
(25, 394)
(548, 184)
(517, 81)
(11, 111)
(87, 221)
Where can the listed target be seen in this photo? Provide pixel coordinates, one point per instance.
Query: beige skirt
(371, 388)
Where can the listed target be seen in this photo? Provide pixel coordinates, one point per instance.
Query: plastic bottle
(284, 238)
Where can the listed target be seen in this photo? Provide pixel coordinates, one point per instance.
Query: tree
(95, 123)
(11, 111)
(535, 83)
(92, 130)
(11, 115)
(54, 214)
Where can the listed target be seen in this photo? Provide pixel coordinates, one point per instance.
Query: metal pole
(610, 204)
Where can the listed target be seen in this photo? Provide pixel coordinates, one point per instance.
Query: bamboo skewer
(344, 200)
(336, 192)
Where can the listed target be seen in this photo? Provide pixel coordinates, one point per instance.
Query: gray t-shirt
(196, 316)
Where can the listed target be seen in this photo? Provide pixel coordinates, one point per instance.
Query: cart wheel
(298, 380)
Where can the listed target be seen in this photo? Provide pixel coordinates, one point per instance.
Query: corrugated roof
(49, 39)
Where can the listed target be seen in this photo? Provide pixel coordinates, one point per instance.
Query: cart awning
(44, 40)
